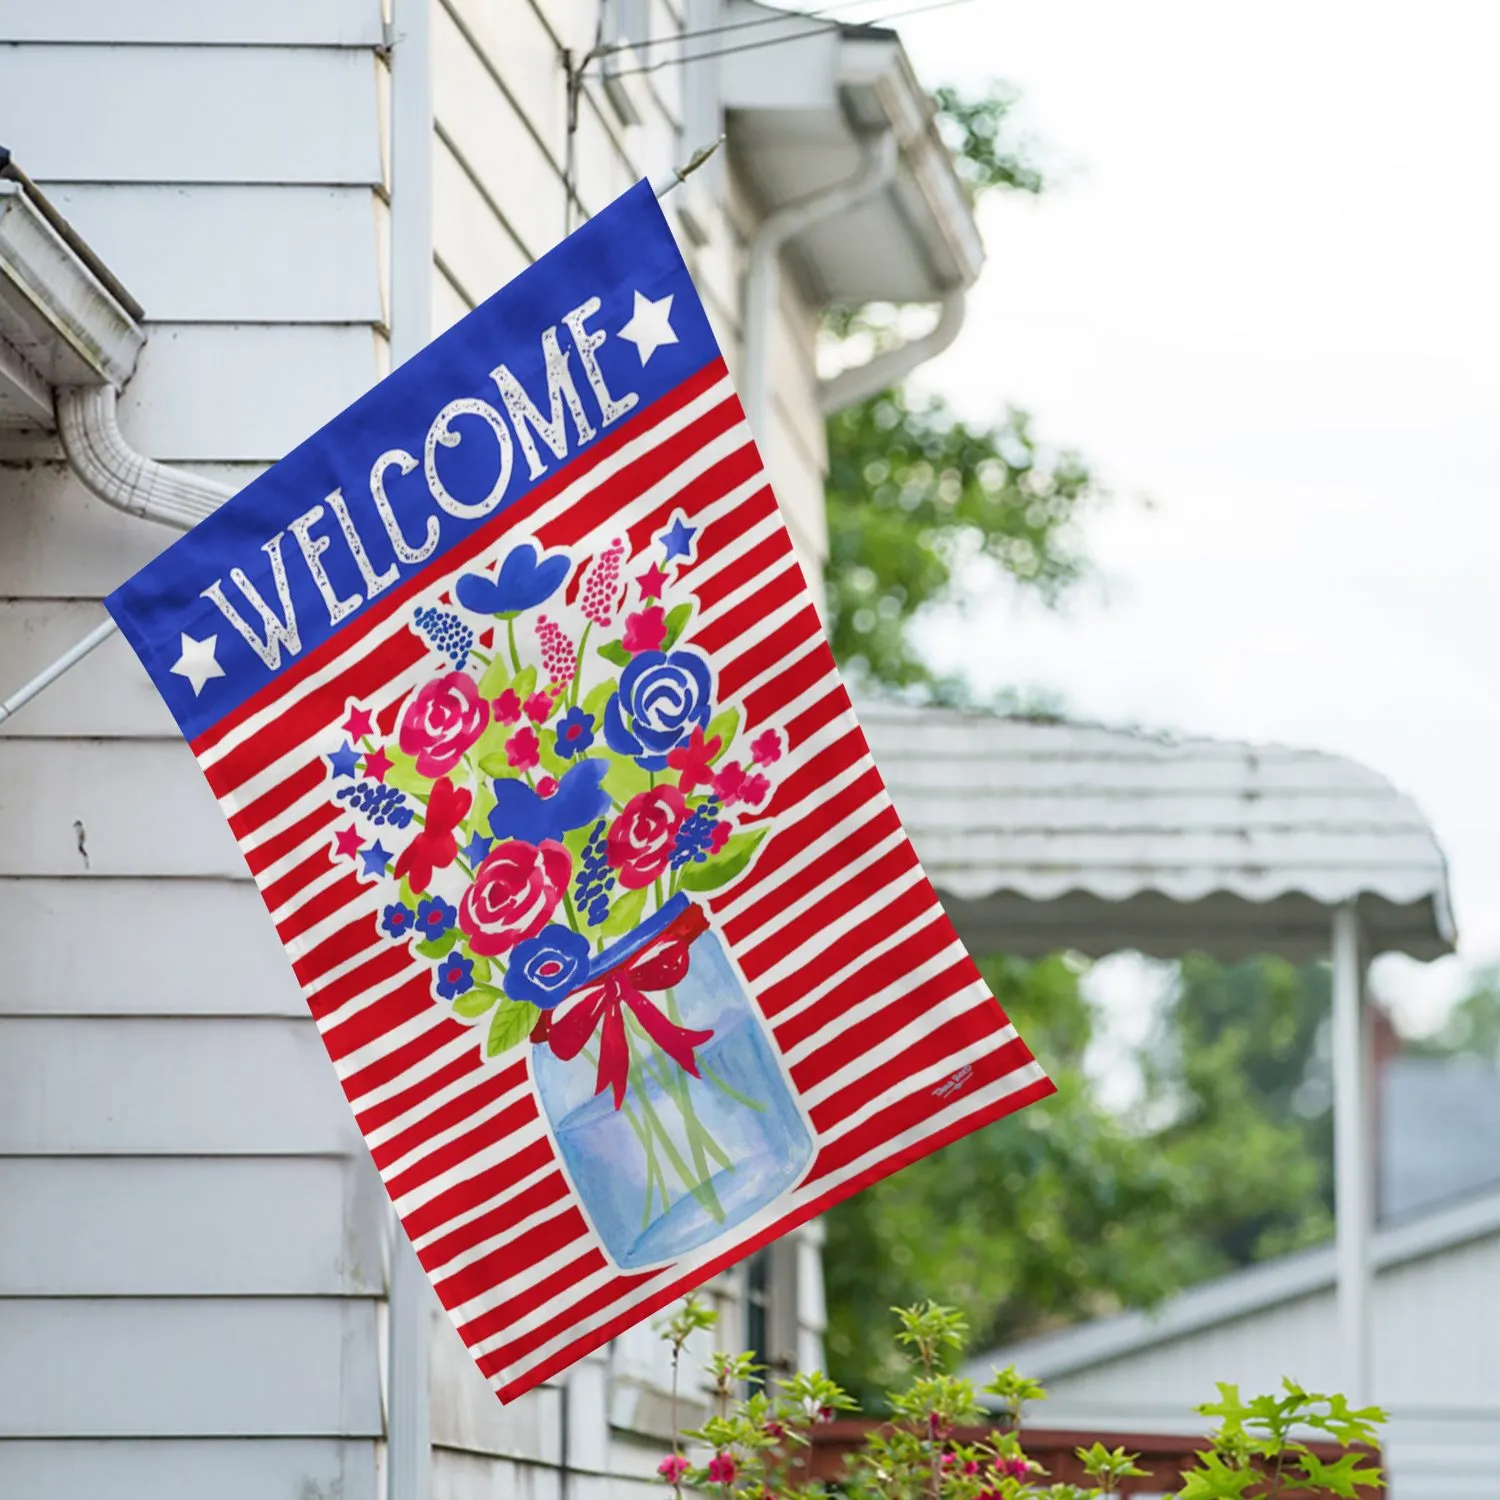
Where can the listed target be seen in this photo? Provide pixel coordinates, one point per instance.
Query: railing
(1163, 1458)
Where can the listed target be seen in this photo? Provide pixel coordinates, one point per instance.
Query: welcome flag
(516, 701)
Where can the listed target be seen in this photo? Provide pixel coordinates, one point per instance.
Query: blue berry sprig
(446, 633)
(696, 835)
(595, 879)
(381, 804)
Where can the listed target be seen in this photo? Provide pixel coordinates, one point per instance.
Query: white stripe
(855, 1014)
(969, 998)
(468, 1215)
(488, 1160)
(509, 1235)
(476, 1077)
(418, 1153)
(316, 985)
(314, 887)
(387, 1042)
(363, 903)
(550, 1311)
(498, 1293)
(829, 934)
(432, 1063)
(866, 957)
(814, 639)
(642, 443)
(365, 997)
(845, 875)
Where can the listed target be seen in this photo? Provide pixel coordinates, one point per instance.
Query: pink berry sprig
(559, 655)
(602, 586)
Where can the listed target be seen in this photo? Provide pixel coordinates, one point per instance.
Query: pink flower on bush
(693, 761)
(507, 707)
(547, 786)
(539, 707)
(721, 1469)
(516, 889)
(646, 629)
(522, 749)
(765, 748)
(673, 1467)
(755, 790)
(442, 721)
(641, 838)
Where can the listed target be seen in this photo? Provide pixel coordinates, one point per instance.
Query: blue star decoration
(677, 539)
(375, 859)
(344, 761)
(476, 849)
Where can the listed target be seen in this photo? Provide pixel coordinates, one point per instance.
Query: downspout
(408, 1449)
(762, 277)
(894, 365)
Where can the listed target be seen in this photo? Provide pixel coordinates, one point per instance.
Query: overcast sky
(1264, 294)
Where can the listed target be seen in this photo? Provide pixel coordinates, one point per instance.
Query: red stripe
(376, 1115)
(315, 909)
(485, 1184)
(906, 1114)
(827, 866)
(461, 552)
(551, 1189)
(298, 878)
(831, 761)
(763, 557)
(924, 944)
(358, 935)
(388, 962)
(727, 530)
(369, 1024)
(798, 677)
(492, 1271)
(380, 1071)
(643, 1307)
(781, 645)
(718, 635)
(846, 951)
(486, 1133)
(303, 831)
(292, 788)
(489, 1090)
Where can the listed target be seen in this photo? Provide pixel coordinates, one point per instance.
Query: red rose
(435, 847)
(640, 839)
(443, 720)
(515, 892)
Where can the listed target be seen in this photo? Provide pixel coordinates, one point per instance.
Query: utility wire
(689, 36)
(777, 41)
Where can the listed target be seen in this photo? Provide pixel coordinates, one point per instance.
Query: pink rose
(641, 838)
(646, 629)
(722, 1469)
(539, 707)
(674, 1465)
(515, 891)
(507, 707)
(522, 749)
(443, 721)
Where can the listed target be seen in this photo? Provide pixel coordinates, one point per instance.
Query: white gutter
(762, 278)
(894, 365)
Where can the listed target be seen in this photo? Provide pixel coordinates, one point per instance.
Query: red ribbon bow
(599, 1005)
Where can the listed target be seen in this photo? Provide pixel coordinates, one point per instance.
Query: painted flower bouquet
(554, 804)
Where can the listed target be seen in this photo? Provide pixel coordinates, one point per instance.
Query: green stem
(578, 665)
(701, 1188)
(510, 635)
(572, 915)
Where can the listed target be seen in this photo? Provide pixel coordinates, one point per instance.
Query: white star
(197, 662)
(649, 326)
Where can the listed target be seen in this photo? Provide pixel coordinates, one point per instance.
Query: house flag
(517, 704)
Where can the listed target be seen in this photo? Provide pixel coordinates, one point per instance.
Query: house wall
(192, 1252)
(1436, 1370)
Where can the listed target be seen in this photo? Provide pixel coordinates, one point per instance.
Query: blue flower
(396, 920)
(662, 698)
(455, 974)
(575, 733)
(526, 579)
(476, 849)
(520, 813)
(435, 916)
(544, 968)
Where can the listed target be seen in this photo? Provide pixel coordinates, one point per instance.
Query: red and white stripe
(885, 1028)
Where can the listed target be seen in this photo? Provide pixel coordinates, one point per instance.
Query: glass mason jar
(663, 1160)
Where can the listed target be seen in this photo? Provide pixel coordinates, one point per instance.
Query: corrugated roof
(1045, 835)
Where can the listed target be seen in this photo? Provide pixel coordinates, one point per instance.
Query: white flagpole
(102, 632)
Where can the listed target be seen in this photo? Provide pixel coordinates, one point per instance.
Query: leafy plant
(932, 1448)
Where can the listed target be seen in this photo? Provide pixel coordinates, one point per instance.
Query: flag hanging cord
(106, 628)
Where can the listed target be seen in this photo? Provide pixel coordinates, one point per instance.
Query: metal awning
(1042, 836)
(802, 103)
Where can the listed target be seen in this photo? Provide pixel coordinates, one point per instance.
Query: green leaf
(624, 914)
(598, 696)
(723, 727)
(439, 947)
(407, 896)
(552, 763)
(404, 776)
(496, 676)
(615, 653)
(492, 740)
(624, 779)
(525, 683)
(481, 965)
(677, 617)
(475, 1002)
(478, 820)
(498, 765)
(722, 867)
(1341, 1478)
(511, 1026)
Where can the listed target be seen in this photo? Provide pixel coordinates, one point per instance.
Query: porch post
(1352, 1187)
